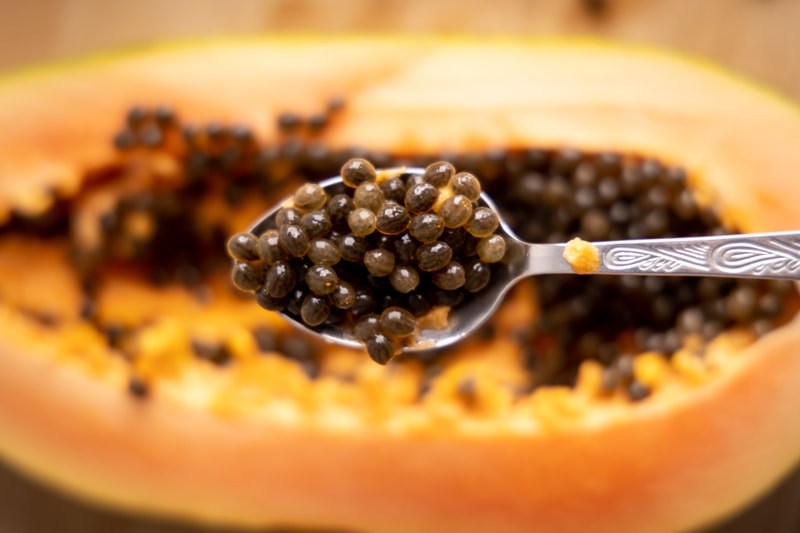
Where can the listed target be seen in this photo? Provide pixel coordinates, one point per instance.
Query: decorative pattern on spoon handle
(775, 255)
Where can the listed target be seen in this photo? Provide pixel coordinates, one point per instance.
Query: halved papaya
(132, 376)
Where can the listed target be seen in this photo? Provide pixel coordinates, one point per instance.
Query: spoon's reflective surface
(763, 255)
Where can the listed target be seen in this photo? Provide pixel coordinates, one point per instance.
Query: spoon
(759, 255)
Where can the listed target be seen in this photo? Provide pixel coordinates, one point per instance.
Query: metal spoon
(763, 255)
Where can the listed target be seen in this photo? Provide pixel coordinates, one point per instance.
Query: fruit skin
(665, 465)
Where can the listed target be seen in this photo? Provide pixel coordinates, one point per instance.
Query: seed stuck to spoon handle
(759, 255)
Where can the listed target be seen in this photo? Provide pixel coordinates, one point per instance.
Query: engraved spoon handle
(755, 255)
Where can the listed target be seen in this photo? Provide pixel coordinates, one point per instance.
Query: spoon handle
(755, 255)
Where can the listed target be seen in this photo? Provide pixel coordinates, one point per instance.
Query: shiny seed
(269, 247)
(397, 322)
(466, 184)
(433, 256)
(456, 211)
(392, 218)
(321, 279)
(365, 302)
(294, 240)
(344, 295)
(243, 247)
(358, 171)
(268, 302)
(393, 189)
(288, 215)
(366, 327)
(404, 247)
(418, 304)
(368, 195)
(426, 227)
(248, 276)
(438, 174)
(281, 279)
(380, 348)
(315, 310)
(483, 222)
(421, 197)
(294, 300)
(362, 221)
(383, 241)
(404, 278)
(492, 249)
(353, 247)
(455, 238)
(449, 278)
(379, 262)
(324, 252)
(339, 207)
(476, 276)
(310, 196)
(316, 224)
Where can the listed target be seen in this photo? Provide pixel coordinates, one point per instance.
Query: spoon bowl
(764, 255)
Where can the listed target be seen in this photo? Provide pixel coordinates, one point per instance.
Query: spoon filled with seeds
(411, 259)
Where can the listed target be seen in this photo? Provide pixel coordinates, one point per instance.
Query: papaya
(132, 375)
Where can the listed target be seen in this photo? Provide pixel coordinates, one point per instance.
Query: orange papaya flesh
(157, 385)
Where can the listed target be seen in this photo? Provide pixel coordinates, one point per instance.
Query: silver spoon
(762, 255)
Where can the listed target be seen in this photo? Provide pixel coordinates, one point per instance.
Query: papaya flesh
(253, 440)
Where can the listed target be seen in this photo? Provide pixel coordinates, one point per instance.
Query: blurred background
(757, 38)
(754, 37)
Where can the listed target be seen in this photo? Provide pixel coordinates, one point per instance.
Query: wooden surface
(759, 38)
